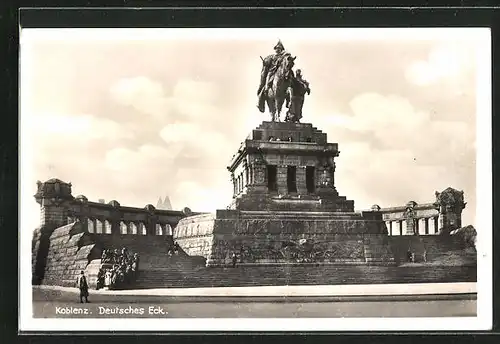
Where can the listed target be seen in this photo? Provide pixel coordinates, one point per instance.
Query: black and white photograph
(314, 179)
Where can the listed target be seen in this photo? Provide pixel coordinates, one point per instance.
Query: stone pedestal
(284, 237)
(288, 210)
(278, 155)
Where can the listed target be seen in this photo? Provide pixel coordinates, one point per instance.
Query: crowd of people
(117, 268)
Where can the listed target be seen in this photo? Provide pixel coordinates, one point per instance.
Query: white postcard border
(483, 320)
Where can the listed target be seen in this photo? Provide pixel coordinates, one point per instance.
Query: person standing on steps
(81, 282)
(234, 259)
(408, 255)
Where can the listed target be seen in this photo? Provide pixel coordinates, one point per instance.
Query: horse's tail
(261, 103)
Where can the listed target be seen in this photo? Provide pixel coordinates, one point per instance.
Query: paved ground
(64, 304)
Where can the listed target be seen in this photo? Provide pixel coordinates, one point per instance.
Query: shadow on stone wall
(70, 249)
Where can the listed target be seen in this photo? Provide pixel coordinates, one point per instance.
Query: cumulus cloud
(86, 127)
(399, 152)
(194, 140)
(143, 94)
(446, 61)
(189, 99)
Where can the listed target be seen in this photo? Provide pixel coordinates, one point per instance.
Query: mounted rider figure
(269, 67)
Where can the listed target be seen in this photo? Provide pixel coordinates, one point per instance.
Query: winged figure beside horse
(280, 85)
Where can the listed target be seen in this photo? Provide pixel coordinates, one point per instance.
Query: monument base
(283, 237)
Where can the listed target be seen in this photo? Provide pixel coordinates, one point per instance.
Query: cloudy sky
(133, 115)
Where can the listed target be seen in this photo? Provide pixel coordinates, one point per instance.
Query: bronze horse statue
(275, 89)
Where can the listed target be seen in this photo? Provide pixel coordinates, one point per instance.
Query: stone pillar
(400, 222)
(436, 224)
(259, 167)
(233, 180)
(250, 174)
(115, 226)
(410, 226)
(150, 225)
(281, 179)
(441, 220)
(319, 176)
(246, 174)
(390, 228)
(332, 172)
(301, 180)
(426, 224)
(325, 171)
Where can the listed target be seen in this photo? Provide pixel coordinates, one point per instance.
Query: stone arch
(132, 228)
(99, 227)
(123, 228)
(159, 229)
(169, 229)
(403, 227)
(91, 225)
(107, 227)
(142, 228)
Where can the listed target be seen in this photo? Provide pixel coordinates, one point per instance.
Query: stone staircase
(152, 250)
(304, 274)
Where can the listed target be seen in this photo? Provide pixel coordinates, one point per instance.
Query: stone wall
(195, 234)
(271, 237)
(439, 249)
(70, 251)
(37, 275)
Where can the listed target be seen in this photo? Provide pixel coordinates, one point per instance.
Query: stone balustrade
(444, 215)
(59, 207)
(425, 220)
(112, 218)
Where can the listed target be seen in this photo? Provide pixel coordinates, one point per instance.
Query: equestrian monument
(285, 205)
(286, 223)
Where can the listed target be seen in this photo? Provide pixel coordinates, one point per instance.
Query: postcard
(255, 179)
